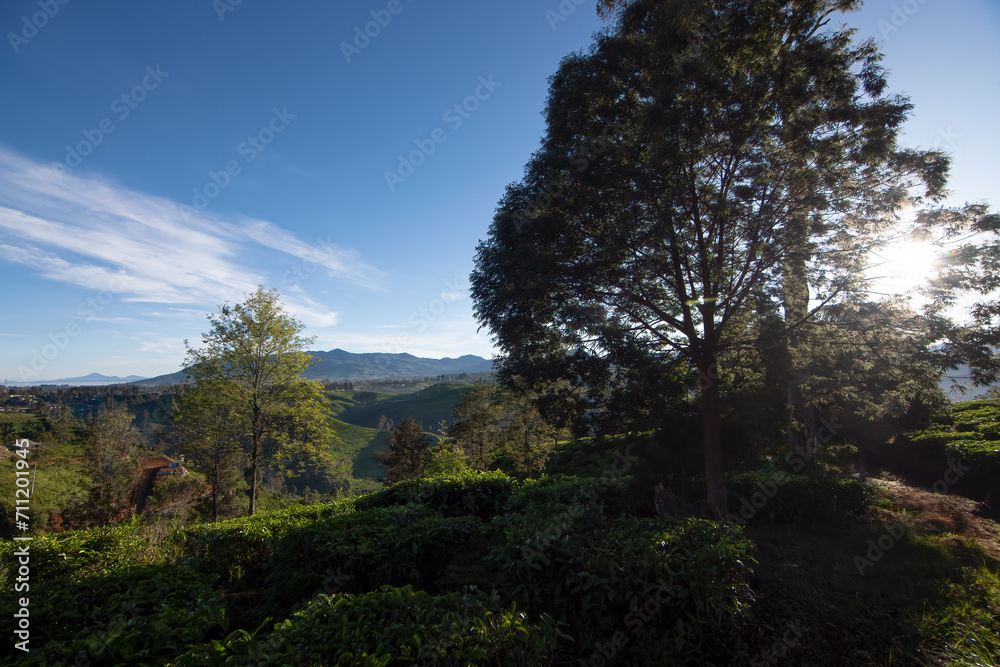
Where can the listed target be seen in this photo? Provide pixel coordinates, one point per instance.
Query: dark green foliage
(238, 550)
(213, 592)
(476, 493)
(15, 425)
(76, 554)
(613, 496)
(408, 451)
(777, 496)
(597, 456)
(599, 575)
(365, 549)
(145, 615)
(390, 627)
(292, 555)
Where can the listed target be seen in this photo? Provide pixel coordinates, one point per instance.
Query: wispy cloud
(99, 235)
(339, 262)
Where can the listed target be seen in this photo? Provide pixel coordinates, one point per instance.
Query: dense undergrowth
(482, 569)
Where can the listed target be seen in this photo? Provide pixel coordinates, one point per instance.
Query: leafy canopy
(251, 365)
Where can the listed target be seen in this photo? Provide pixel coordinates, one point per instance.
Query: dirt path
(936, 513)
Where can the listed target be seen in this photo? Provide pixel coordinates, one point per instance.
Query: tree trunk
(255, 452)
(711, 416)
(215, 492)
(253, 476)
(795, 295)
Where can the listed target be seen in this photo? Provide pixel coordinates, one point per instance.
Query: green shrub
(238, 550)
(604, 577)
(476, 493)
(389, 627)
(80, 553)
(142, 615)
(970, 433)
(776, 496)
(617, 496)
(361, 551)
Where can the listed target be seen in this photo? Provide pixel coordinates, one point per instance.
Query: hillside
(349, 468)
(429, 406)
(357, 417)
(483, 570)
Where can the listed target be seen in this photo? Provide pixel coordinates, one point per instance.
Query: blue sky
(158, 159)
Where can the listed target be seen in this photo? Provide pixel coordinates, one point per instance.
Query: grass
(926, 599)
(353, 453)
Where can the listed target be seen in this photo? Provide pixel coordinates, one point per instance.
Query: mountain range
(94, 379)
(342, 365)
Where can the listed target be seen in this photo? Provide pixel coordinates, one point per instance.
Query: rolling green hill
(357, 416)
(428, 406)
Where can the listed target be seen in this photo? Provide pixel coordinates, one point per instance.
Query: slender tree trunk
(215, 492)
(711, 416)
(795, 288)
(254, 454)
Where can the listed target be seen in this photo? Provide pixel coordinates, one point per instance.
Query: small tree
(528, 439)
(409, 452)
(477, 422)
(252, 364)
(210, 433)
(113, 444)
(499, 425)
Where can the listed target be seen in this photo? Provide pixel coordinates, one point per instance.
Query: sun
(903, 266)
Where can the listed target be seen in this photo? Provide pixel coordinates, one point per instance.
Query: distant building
(161, 466)
(31, 445)
(151, 471)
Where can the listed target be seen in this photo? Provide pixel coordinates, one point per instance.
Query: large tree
(704, 164)
(251, 365)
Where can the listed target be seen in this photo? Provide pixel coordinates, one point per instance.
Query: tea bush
(598, 575)
(971, 433)
(146, 614)
(777, 496)
(79, 553)
(617, 496)
(238, 550)
(360, 551)
(474, 493)
(389, 627)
